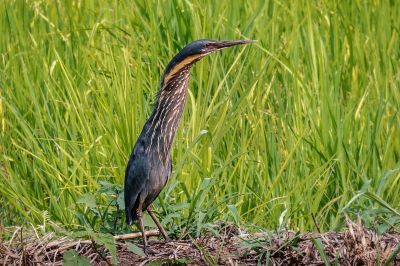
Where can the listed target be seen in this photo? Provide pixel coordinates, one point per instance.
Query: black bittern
(149, 166)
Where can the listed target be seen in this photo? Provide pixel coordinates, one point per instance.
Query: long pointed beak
(218, 45)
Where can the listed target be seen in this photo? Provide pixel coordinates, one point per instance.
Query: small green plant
(380, 215)
(103, 211)
(102, 214)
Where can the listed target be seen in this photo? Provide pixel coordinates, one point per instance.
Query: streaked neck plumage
(162, 125)
(160, 129)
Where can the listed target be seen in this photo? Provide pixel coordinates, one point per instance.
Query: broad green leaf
(135, 249)
(88, 199)
(108, 242)
(72, 258)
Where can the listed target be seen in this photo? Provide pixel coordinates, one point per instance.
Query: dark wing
(155, 189)
(136, 176)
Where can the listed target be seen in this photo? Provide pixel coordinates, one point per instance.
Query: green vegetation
(294, 131)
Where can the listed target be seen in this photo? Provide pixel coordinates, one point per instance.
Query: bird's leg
(153, 216)
(139, 215)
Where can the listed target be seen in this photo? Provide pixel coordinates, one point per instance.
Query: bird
(150, 165)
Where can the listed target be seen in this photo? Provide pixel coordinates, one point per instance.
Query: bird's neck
(160, 128)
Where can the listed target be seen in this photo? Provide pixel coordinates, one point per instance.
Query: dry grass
(355, 246)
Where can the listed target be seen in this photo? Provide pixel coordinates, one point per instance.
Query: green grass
(273, 133)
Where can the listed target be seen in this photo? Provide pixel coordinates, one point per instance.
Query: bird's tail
(131, 217)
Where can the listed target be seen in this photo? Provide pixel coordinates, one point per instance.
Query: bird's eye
(207, 48)
(211, 46)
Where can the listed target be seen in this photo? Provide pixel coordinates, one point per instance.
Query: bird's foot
(145, 250)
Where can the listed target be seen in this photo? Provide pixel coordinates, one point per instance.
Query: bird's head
(193, 52)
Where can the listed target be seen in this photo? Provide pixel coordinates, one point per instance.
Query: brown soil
(354, 246)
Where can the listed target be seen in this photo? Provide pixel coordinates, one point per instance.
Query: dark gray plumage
(149, 166)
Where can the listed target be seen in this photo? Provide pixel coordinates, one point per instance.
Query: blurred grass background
(273, 134)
